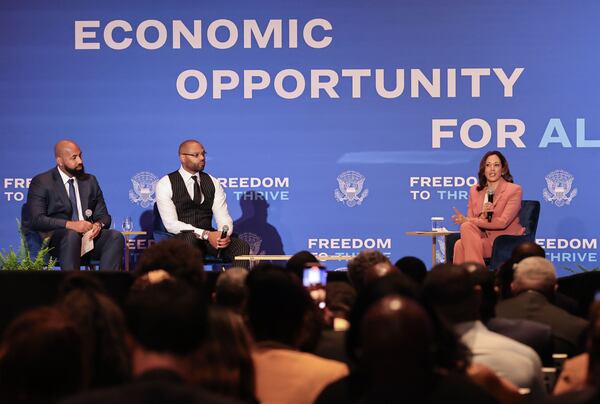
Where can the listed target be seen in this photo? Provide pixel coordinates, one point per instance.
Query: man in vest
(188, 199)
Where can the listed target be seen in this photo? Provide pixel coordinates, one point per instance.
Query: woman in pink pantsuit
(477, 230)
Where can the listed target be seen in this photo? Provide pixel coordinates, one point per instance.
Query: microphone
(88, 215)
(223, 235)
(490, 194)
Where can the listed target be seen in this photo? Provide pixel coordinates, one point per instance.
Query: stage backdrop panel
(334, 125)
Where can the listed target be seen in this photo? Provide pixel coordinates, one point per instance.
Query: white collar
(186, 175)
(65, 177)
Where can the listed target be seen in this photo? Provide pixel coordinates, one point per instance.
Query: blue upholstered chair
(503, 245)
(34, 241)
(160, 233)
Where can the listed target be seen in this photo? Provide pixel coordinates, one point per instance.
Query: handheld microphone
(223, 235)
(490, 195)
(88, 215)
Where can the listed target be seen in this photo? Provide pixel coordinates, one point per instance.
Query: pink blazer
(507, 204)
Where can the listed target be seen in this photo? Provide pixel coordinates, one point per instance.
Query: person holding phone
(493, 210)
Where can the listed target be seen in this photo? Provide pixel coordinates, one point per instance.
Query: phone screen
(314, 276)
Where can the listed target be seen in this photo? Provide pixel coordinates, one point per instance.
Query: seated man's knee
(71, 236)
(116, 236)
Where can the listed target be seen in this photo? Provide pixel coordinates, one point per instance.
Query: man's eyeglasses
(195, 155)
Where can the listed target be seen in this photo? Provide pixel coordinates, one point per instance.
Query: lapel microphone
(88, 215)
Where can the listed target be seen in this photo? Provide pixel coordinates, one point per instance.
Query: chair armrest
(451, 239)
(503, 246)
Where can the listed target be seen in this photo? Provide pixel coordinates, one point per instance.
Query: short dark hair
(167, 317)
(276, 304)
(298, 261)
(176, 257)
(359, 264)
(448, 284)
(230, 289)
(413, 267)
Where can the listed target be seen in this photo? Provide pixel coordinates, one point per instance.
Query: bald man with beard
(64, 203)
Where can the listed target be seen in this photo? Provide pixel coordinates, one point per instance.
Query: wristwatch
(205, 235)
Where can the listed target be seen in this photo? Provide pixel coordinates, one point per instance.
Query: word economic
(289, 83)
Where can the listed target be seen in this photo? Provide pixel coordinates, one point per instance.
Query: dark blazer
(568, 331)
(49, 207)
(531, 333)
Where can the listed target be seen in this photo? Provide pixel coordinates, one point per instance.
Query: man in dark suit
(65, 203)
(534, 285)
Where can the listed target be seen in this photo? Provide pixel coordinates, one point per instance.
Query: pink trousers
(473, 246)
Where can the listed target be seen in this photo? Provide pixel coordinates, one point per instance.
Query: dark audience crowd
(378, 333)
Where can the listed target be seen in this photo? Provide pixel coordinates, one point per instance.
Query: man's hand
(80, 226)
(215, 240)
(96, 227)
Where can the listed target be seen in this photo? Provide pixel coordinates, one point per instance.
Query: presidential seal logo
(350, 187)
(254, 242)
(558, 191)
(144, 187)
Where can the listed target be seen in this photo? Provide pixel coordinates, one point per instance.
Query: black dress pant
(235, 248)
(108, 248)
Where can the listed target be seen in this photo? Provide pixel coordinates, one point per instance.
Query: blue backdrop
(354, 121)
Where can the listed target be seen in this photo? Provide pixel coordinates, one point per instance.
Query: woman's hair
(41, 358)
(505, 170)
(223, 363)
(102, 326)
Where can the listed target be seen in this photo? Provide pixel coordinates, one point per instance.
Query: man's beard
(75, 172)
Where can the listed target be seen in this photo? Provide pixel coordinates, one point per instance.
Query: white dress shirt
(168, 212)
(65, 180)
(506, 357)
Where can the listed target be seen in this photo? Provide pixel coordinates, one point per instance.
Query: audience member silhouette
(535, 335)
(223, 364)
(579, 381)
(101, 324)
(505, 273)
(452, 291)
(276, 310)
(534, 286)
(41, 358)
(230, 289)
(176, 258)
(298, 261)
(397, 339)
(357, 267)
(413, 267)
(166, 318)
(445, 352)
